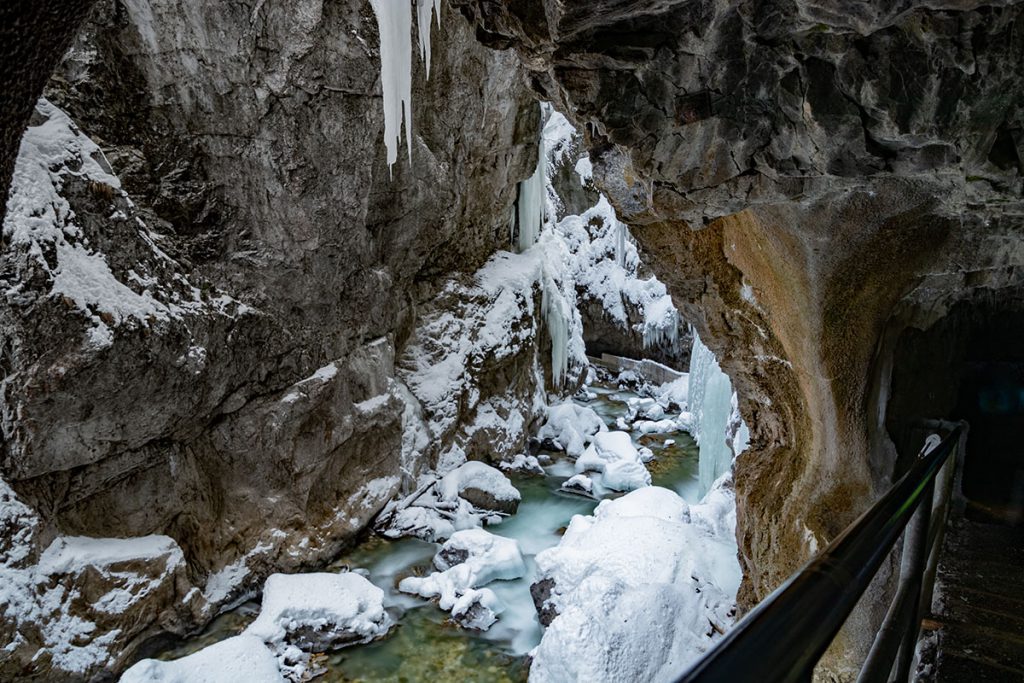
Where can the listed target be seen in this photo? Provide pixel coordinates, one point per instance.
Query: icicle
(394, 23)
(423, 8)
(556, 317)
(620, 243)
(532, 202)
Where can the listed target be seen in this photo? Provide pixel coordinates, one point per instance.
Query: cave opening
(969, 366)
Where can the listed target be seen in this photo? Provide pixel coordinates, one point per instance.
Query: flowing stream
(426, 645)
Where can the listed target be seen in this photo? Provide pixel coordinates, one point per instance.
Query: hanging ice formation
(394, 22)
(423, 8)
(556, 313)
(661, 324)
(531, 206)
(711, 401)
(620, 243)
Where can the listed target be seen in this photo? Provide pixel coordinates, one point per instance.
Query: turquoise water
(425, 645)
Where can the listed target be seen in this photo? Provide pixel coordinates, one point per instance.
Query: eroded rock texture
(808, 178)
(239, 391)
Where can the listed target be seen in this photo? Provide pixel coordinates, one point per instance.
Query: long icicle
(394, 23)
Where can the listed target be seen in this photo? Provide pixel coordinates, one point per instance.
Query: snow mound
(616, 459)
(469, 560)
(527, 464)
(651, 501)
(571, 427)
(633, 591)
(241, 658)
(482, 485)
(320, 611)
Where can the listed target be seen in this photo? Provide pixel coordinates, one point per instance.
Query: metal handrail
(783, 638)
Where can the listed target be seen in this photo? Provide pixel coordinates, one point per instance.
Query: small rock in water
(579, 483)
(477, 609)
(541, 594)
(527, 464)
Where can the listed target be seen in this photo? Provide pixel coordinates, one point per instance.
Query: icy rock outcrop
(241, 658)
(468, 561)
(525, 464)
(469, 495)
(465, 361)
(616, 462)
(637, 591)
(627, 312)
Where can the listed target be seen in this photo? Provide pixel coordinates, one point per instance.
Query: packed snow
(641, 590)
(570, 427)
(241, 658)
(613, 456)
(320, 611)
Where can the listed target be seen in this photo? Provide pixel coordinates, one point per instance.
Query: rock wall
(202, 322)
(808, 179)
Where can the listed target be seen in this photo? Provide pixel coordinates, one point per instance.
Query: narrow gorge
(503, 340)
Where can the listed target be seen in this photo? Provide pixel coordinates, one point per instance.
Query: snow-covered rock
(320, 611)
(616, 459)
(482, 485)
(241, 658)
(77, 606)
(635, 592)
(570, 427)
(469, 560)
(527, 464)
(417, 521)
(579, 483)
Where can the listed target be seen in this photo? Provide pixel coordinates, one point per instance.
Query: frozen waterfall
(394, 22)
(711, 404)
(532, 202)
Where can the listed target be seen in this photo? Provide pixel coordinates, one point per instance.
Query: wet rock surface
(261, 425)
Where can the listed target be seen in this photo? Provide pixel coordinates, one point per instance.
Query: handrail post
(915, 560)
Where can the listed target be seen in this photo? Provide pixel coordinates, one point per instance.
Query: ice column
(394, 22)
(531, 205)
(711, 404)
(556, 317)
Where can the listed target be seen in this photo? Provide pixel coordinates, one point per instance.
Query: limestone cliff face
(239, 392)
(808, 177)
